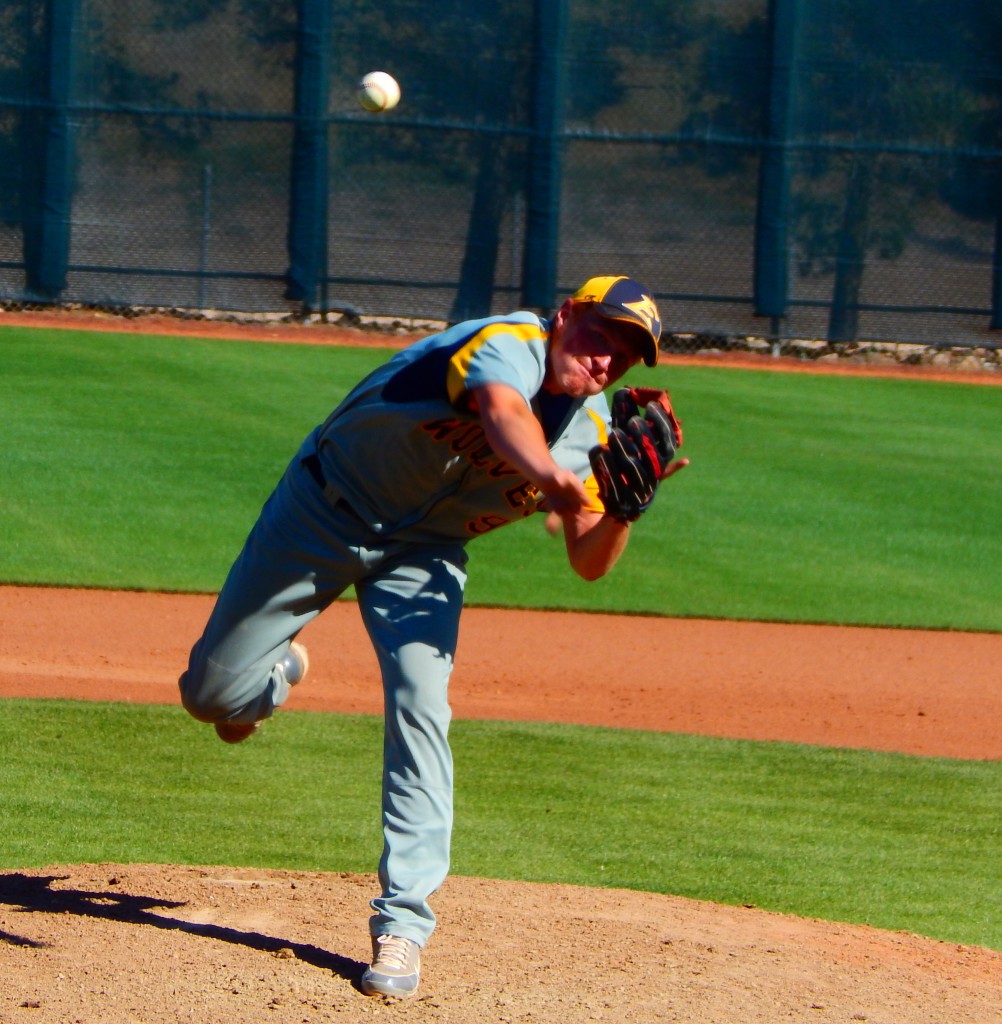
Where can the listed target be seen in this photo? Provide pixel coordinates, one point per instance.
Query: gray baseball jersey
(406, 453)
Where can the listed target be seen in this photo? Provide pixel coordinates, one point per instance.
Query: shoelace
(392, 952)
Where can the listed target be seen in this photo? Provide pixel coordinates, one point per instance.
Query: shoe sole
(236, 732)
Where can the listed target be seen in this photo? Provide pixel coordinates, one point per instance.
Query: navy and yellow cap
(622, 298)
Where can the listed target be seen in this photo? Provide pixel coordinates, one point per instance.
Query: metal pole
(996, 321)
(49, 175)
(203, 254)
(772, 217)
(542, 221)
(308, 185)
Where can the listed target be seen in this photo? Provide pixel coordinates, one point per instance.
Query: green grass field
(894, 841)
(140, 463)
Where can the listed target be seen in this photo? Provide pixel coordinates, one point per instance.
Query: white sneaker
(295, 664)
(395, 969)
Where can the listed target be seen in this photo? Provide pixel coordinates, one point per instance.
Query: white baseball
(378, 91)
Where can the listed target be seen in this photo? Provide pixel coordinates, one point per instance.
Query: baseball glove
(658, 414)
(629, 468)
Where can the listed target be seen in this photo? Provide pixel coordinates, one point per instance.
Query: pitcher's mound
(157, 944)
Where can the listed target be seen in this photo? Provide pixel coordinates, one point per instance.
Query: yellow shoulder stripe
(459, 364)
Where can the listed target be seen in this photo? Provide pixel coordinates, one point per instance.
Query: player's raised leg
(292, 566)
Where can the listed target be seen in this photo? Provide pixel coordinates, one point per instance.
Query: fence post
(996, 320)
(772, 215)
(308, 184)
(542, 215)
(47, 169)
(203, 247)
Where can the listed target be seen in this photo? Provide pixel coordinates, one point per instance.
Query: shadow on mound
(34, 894)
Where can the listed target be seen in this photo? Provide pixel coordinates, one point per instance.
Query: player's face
(588, 352)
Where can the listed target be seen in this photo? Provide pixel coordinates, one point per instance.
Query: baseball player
(470, 429)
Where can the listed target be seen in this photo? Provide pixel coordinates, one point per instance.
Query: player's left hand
(639, 454)
(627, 475)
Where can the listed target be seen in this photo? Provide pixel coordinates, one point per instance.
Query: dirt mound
(121, 943)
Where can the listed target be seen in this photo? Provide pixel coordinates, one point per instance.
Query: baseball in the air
(378, 91)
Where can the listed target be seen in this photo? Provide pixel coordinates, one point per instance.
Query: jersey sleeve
(510, 351)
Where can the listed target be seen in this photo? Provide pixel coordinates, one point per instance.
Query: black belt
(313, 467)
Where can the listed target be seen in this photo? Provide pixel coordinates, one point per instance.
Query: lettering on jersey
(440, 429)
(481, 457)
(525, 496)
(485, 524)
(524, 499)
(462, 440)
(468, 439)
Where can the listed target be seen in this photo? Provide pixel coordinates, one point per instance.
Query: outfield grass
(894, 841)
(141, 462)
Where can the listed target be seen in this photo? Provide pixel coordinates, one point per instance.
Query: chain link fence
(813, 177)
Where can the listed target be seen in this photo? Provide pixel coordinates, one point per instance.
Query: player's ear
(562, 315)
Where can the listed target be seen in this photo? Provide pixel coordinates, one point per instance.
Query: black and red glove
(629, 468)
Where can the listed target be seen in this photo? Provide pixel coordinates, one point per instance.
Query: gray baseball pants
(306, 548)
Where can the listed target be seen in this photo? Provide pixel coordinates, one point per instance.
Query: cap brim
(650, 348)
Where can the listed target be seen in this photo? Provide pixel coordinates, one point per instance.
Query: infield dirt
(160, 943)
